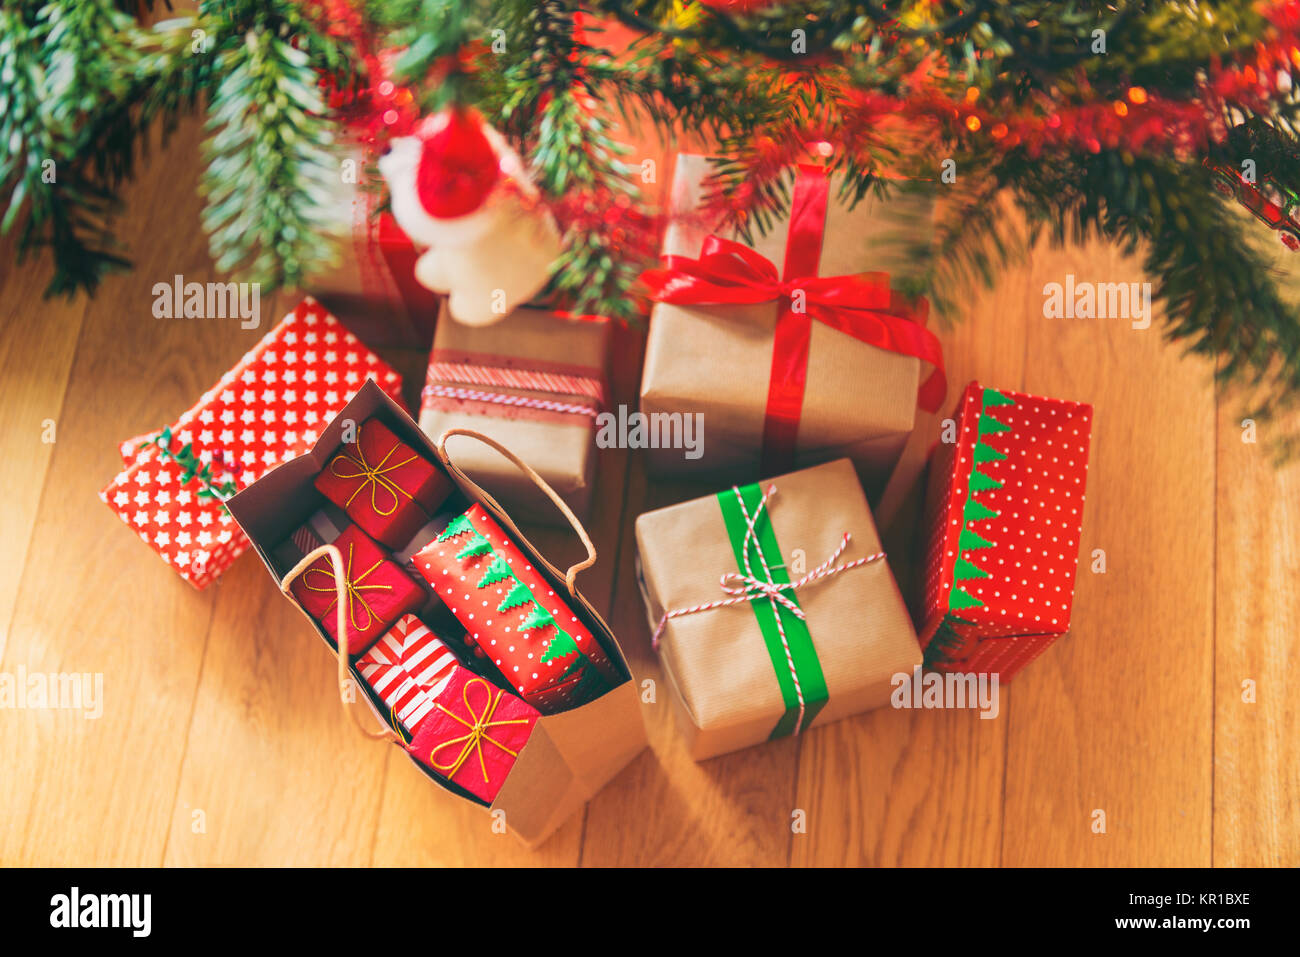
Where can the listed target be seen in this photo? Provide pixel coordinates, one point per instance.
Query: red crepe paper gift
(269, 408)
(473, 734)
(384, 485)
(378, 591)
(407, 668)
(512, 613)
(824, 359)
(1004, 512)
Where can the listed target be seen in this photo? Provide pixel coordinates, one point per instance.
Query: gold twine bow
(473, 741)
(353, 587)
(372, 476)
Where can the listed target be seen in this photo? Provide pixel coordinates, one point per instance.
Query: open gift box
(569, 755)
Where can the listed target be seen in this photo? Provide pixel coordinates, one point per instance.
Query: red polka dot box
(1004, 509)
(519, 628)
(267, 409)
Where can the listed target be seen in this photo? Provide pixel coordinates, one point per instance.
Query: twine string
(472, 741)
(352, 588)
(374, 477)
(746, 587)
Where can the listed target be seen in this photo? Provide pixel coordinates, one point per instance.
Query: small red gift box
(514, 615)
(1004, 512)
(474, 733)
(407, 668)
(378, 591)
(383, 484)
(270, 407)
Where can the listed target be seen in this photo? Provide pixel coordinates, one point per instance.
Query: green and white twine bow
(772, 597)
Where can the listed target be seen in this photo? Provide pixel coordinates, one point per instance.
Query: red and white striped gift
(407, 669)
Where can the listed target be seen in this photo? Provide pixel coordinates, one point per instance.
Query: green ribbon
(807, 668)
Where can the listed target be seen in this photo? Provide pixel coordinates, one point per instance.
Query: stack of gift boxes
(771, 605)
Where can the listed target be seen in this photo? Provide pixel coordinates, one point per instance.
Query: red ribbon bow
(861, 305)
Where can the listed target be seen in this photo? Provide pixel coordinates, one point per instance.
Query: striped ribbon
(501, 398)
(503, 377)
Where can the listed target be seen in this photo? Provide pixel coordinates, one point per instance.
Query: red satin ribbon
(862, 306)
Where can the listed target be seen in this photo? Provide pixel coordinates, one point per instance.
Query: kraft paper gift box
(264, 411)
(569, 756)
(1004, 513)
(534, 382)
(747, 670)
(779, 383)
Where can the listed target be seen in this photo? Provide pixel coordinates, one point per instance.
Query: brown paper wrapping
(716, 662)
(563, 453)
(569, 756)
(860, 401)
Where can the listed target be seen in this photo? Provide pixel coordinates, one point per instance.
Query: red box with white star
(510, 611)
(269, 408)
(1004, 511)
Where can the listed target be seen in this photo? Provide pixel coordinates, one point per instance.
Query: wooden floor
(221, 740)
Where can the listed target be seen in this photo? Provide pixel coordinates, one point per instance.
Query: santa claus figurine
(459, 189)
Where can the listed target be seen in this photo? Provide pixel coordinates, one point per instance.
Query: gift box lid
(1004, 516)
(268, 408)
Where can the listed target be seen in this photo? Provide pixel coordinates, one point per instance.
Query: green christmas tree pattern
(518, 596)
(970, 541)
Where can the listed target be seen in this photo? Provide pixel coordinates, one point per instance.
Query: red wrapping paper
(1004, 512)
(407, 668)
(378, 591)
(383, 484)
(551, 679)
(270, 407)
(474, 733)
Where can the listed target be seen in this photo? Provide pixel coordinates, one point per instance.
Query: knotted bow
(373, 476)
(353, 587)
(861, 305)
(472, 742)
(749, 586)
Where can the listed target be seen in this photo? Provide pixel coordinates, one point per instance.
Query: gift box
(267, 409)
(514, 615)
(474, 733)
(372, 286)
(1004, 511)
(378, 592)
(823, 359)
(568, 757)
(534, 382)
(383, 484)
(407, 668)
(807, 625)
